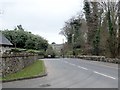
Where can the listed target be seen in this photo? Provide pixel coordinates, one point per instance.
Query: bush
(17, 50)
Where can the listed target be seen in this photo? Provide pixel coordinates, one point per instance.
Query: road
(72, 73)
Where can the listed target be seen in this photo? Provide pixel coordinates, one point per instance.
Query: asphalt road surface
(72, 73)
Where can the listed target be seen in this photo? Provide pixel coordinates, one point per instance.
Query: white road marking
(93, 71)
(104, 75)
(82, 68)
(50, 59)
(72, 64)
(65, 61)
(76, 65)
(97, 63)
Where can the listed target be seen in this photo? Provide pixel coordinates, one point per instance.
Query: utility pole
(73, 43)
(63, 48)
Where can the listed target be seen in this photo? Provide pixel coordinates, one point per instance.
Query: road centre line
(82, 68)
(65, 61)
(72, 64)
(76, 65)
(95, 63)
(104, 75)
(93, 71)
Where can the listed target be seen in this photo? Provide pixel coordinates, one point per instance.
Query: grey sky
(43, 17)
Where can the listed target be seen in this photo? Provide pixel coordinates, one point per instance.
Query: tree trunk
(119, 29)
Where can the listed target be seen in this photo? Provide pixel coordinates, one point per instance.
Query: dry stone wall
(100, 58)
(11, 63)
(97, 58)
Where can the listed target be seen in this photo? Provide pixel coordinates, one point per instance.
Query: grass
(36, 68)
(0, 79)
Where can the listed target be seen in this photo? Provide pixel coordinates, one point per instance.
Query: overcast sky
(42, 17)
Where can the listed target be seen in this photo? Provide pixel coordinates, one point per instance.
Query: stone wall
(12, 63)
(100, 58)
(97, 58)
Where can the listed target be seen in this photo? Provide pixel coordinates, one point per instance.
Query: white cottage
(5, 44)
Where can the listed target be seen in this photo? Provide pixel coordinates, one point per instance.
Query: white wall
(3, 49)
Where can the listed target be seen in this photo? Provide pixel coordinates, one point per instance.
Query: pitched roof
(4, 40)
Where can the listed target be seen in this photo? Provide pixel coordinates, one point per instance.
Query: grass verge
(37, 68)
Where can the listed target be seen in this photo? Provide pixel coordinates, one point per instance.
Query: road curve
(72, 73)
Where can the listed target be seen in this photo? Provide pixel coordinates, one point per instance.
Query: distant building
(5, 44)
(57, 47)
